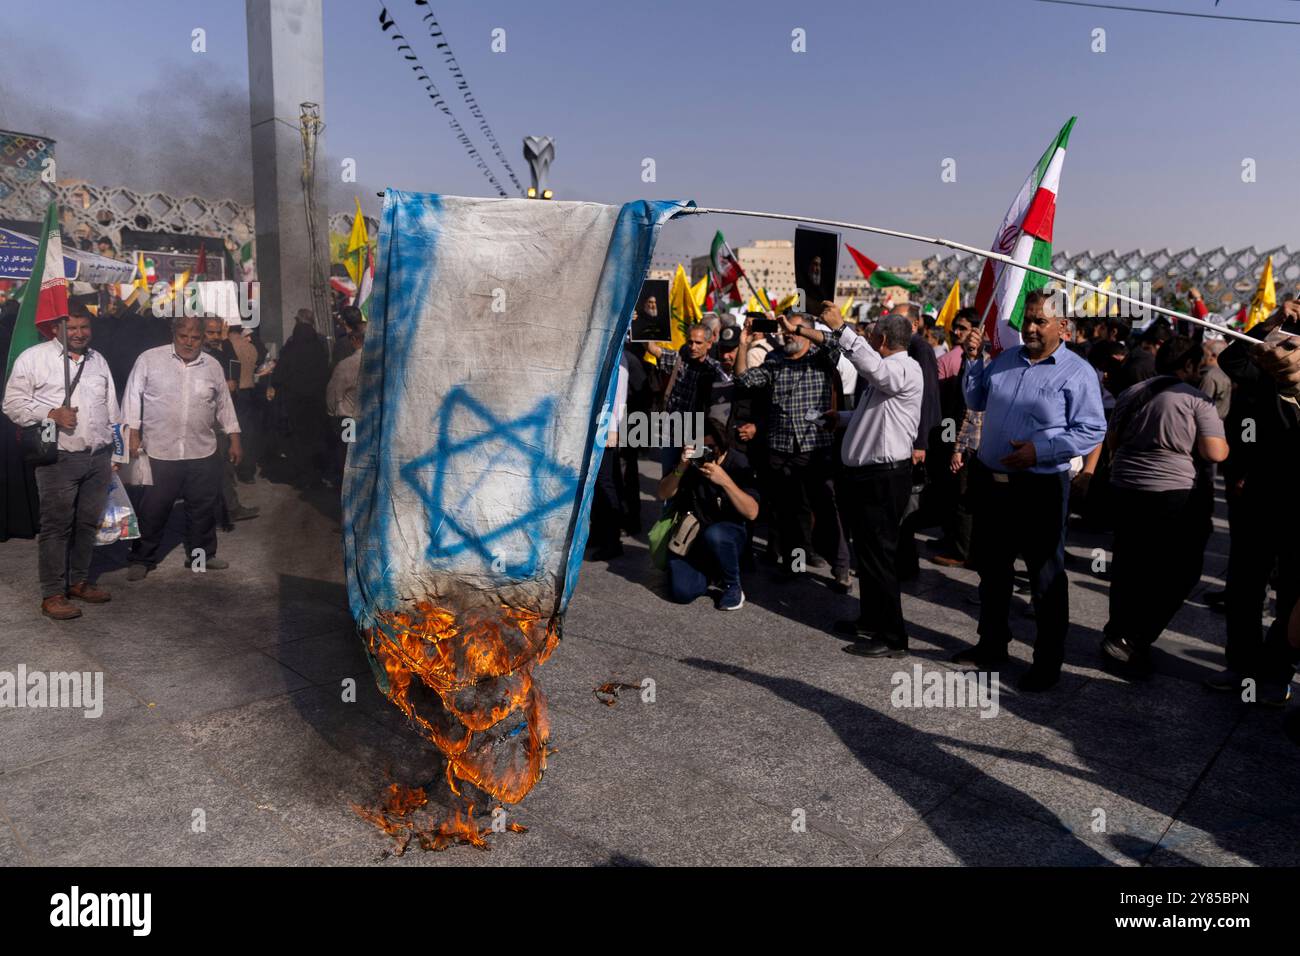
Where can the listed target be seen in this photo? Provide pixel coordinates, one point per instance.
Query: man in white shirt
(74, 488)
(175, 399)
(876, 474)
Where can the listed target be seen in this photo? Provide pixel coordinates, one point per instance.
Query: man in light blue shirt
(1042, 407)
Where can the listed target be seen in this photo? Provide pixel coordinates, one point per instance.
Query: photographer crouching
(711, 496)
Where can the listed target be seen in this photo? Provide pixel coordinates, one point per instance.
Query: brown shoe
(85, 591)
(947, 561)
(59, 608)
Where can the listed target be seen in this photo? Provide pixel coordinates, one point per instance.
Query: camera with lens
(705, 456)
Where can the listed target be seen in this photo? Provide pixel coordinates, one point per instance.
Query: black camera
(705, 456)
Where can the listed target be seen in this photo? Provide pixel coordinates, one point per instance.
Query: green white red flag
(45, 297)
(726, 268)
(1026, 236)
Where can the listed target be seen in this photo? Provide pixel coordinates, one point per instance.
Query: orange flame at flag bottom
(465, 681)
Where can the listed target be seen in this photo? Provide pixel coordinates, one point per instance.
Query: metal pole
(986, 253)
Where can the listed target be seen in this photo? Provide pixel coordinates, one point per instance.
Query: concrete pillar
(286, 67)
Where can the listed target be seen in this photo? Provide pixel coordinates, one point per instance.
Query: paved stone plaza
(223, 694)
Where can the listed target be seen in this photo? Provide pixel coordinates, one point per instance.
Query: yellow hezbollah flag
(788, 301)
(844, 309)
(1265, 298)
(1095, 304)
(951, 305)
(699, 291)
(358, 241)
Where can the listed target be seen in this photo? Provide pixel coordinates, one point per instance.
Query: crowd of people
(826, 444)
(204, 406)
(830, 444)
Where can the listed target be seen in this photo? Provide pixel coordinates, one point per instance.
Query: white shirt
(341, 392)
(883, 425)
(36, 387)
(183, 403)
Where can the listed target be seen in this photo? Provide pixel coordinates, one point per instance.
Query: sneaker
(136, 572)
(59, 608)
(948, 561)
(1225, 680)
(733, 599)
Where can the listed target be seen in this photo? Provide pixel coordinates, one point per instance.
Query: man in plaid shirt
(803, 386)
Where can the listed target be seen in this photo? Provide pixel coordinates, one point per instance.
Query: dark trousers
(73, 491)
(714, 556)
(1022, 517)
(198, 481)
(606, 513)
(1158, 552)
(803, 491)
(872, 499)
(959, 522)
(1264, 535)
(628, 473)
(306, 444)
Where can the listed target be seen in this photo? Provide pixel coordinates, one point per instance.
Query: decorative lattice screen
(1224, 278)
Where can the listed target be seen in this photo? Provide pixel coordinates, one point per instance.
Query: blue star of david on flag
(502, 449)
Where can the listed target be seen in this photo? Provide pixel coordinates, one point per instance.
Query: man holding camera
(719, 489)
(802, 384)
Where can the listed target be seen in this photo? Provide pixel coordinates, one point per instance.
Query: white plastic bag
(118, 522)
(137, 471)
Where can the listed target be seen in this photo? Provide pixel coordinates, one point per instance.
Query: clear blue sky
(855, 128)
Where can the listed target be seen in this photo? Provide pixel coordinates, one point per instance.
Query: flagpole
(745, 275)
(962, 247)
(67, 365)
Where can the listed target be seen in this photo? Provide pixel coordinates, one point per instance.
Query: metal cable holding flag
(386, 22)
(462, 84)
(973, 250)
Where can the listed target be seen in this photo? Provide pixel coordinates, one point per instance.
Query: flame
(398, 816)
(465, 681)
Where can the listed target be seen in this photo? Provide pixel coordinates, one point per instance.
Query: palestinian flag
(45, 297)
(726, 268)
(876, 276)
(1026, 236)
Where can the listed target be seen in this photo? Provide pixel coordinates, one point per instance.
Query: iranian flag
(1026, 236)
(726, 268)
(45, 297)
(877, 277)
